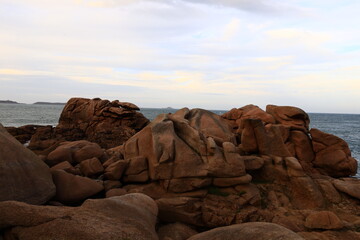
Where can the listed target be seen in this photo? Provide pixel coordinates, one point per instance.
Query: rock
(74, 152)
(91, 167)
(253, 162)
(115, 192)
(350, 186)
(62, 166)
(176, 147)
(95, 120)
(227, 182)
(71, 189)
(175, 231)
(330, 235)
(24, 133)
(110, 184)
(293, 117)
(248, 231)
(333, 156)
(24, 177)
(179, 185)
(323, 220)
(181, 209)
(132, 216)
(330, 193)
(303, 149)
(115, 170)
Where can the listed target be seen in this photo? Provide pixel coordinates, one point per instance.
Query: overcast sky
(195, 53)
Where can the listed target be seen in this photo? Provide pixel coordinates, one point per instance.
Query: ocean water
(345, 126)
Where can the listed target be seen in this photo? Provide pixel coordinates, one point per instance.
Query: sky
(183, 53)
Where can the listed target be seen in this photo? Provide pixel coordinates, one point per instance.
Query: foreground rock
(248, 231)
(107, 123)
(132, 216)
(24, 177)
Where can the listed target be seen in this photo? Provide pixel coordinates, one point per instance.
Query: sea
(345, 126)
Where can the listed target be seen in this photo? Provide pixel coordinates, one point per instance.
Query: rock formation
(206, 171)
(107, 123)
(127, 217)
(23, 176)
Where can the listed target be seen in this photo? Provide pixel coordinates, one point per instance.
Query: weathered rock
(248, 231)
(91, 167)
(62, 166)
(74, 152)
(107, 123)
(181, 209)
(132, 216)
(323, 220)
(350, 186)
(253, 162)
(175, 231)
(330, 235)
(116, 192)
(23, 176)
(180, 185)
(176, 147)
(333, 156)
(72, 189)
(294, 117)
(227, 182)
(110, 184)
(24, 133)
(115, 170)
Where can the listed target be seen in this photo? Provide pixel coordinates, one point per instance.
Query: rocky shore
(107, 172)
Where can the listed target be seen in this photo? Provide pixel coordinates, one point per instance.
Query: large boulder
(107, 123)
(132, 216)
(248, 231)
(186, 144)
(333, 156)
(293, 117)
(23, 176)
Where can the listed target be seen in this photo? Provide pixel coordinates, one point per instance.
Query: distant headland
(49, 103)
(8, 102)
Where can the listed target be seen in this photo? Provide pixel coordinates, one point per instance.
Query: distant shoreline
(8, 102)
(49, 103)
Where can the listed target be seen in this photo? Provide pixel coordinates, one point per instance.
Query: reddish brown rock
(181, 209)
(323, 220)
(180, 185)
(74, 152)
(71, 189)
(248, 231)
(175, 231)
(227, 182)
(175, 147)
(110, 184)
(293, 117)
(115, 192)
(132, 216)
(333, 156)
(107, 123)
(24, 133)
(62, 166)
(350, 186)
(23, 176)
(115, 170)
(91, 167)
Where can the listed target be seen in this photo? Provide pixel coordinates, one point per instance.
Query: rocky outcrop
(132, 216)
(248, 231)
(107, 123)
(24, 177)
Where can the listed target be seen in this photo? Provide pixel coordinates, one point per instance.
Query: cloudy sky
(195, 53)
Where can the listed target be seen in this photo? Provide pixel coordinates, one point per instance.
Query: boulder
(350, 186)
(91, 167)
(293, 117)
(175, 231)
(115, 170)
(187, 144)
(106, 123)
(332, 155)
(248, 231)
(24, 177)
(132, 216)
(323, 220)
(74, 152)
(71, 189)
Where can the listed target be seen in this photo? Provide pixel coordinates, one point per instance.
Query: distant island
(8, 102)
(49, 103)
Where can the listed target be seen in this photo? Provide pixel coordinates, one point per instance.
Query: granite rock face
(132, 216)
(107, 123)
(23, 176)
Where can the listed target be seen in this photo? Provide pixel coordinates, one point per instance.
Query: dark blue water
(345, 126)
